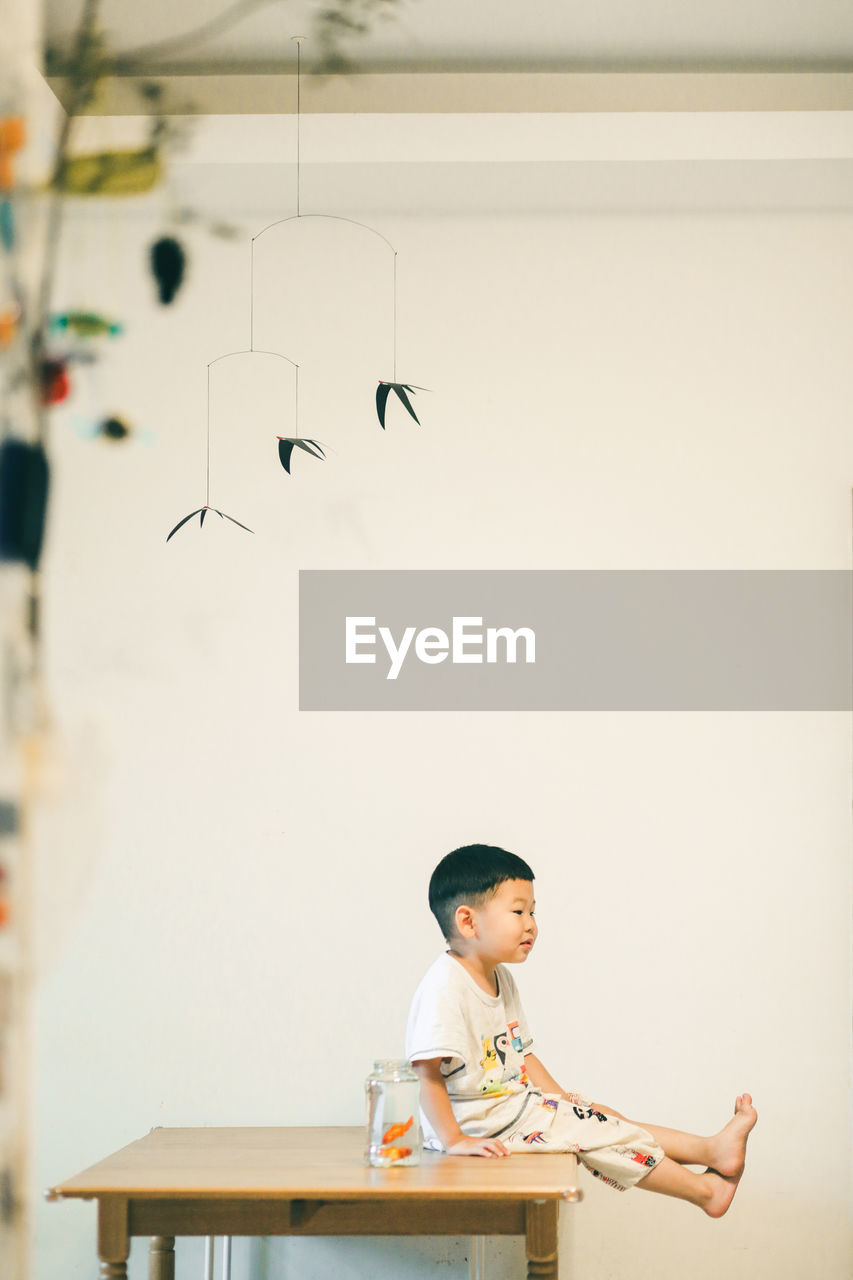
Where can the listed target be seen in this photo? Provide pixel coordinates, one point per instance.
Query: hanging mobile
(202, 511)
(286, 444)
(401, 389)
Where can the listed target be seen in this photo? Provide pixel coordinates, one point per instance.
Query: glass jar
(394, 1134)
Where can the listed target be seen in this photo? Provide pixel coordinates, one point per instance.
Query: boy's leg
(725, 1152)
(709, 1190)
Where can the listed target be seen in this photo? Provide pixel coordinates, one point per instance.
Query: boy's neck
(480, 969)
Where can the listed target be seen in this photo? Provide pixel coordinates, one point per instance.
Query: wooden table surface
(302, 1163)
(311, 1181)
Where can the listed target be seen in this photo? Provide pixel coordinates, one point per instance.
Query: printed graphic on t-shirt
(498, 1077)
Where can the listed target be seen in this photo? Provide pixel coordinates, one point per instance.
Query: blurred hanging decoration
(40, 347)
(335, 24)
(85, 324)
(168, 255)
(182, 215)
(24, 483)
(12, 138)
(7, 224)
(130, 172)
(82, 329)
(10, 320)
(168, 262)
(55, 382)
(114, 430)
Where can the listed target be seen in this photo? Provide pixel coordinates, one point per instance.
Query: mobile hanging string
(298, 40)
(286, 444)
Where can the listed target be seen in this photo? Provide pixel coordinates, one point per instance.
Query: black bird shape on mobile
(400, 388)
(286, 445)
(202, 511)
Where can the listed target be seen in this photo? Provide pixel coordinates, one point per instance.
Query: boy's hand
(439, 1112)
(477, 1147)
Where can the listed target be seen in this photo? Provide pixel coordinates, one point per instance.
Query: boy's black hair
(470, 874)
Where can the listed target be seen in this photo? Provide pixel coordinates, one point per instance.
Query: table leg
(542, 1219)
(161, 1258)
(113, 1239)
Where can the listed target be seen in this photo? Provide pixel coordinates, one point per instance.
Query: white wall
(233, 911)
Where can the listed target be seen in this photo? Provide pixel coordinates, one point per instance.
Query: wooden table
(311, 1182)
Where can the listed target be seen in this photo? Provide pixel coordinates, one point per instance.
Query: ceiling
(570, 75)
(435, 35)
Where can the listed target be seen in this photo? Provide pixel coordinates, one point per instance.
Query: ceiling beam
(267, 93)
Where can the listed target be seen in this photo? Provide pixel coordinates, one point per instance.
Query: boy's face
(504, 926)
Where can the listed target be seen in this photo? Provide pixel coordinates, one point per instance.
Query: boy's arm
(539, 1076)
(436, 1104)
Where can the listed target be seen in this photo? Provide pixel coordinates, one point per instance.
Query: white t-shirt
(484, 1037)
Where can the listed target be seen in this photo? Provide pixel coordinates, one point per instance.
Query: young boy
(483, 1093)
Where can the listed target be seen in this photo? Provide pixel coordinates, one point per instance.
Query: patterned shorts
(616, 1151)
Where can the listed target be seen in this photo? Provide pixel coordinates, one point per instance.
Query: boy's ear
(464, 919)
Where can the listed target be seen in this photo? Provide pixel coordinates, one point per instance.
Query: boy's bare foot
(721, 1192)
(729, 1145)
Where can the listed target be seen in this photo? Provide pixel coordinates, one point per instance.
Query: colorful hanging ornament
(7, 225)
(10, 320)
(55, 382)
(85, 324)
(114, 430)
(12, 138)
(168, 262)
(9, 825)
(286, 445)
(24, 483)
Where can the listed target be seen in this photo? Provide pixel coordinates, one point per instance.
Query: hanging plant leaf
(400, 388)
(185, 519)
(202, 511)
(286, 445)
(233, 521)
